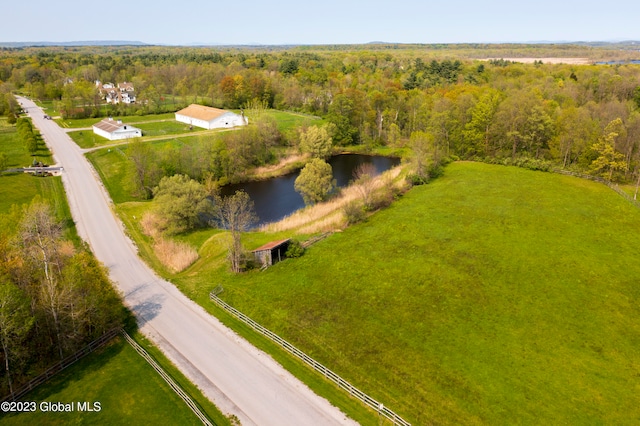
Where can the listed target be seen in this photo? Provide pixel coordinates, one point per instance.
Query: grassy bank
(126, 386)
(492, 295)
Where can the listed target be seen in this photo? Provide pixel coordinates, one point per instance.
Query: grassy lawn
(111, 164)
(80, 123)
(128, 389)
(493, 295)
(20, 188)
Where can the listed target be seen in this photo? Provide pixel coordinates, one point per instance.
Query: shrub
(354, 212)
(382, 198)
(295, 249)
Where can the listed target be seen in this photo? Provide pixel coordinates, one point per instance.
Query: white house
(116, 130)
(124, 92)
(210, 118)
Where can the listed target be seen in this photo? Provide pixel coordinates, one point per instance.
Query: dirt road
(238, 378)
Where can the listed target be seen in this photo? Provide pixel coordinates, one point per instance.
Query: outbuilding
(210, 118)
(116, 130)
(272, 252)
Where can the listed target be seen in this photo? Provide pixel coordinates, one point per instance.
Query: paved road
(238, 378)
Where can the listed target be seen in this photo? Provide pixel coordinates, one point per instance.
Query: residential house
(122, 93)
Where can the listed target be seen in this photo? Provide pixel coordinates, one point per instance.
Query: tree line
(54, 297)
(495, 110)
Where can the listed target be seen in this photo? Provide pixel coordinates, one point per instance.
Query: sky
(251, 22)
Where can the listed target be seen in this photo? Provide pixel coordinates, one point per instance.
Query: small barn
(272, 252)
(210, 118)
(116, 130)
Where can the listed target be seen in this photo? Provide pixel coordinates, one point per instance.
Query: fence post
(352, 390)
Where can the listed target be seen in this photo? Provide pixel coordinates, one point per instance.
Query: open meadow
(493, 295)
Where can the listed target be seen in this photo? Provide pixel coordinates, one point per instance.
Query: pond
(276, 198)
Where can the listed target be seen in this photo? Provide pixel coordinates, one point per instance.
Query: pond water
(276, 198)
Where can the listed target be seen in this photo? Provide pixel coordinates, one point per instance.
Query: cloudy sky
(326, 22)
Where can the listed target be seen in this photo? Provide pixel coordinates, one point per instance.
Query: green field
(493, 295)
(128, 389)
(20, 188)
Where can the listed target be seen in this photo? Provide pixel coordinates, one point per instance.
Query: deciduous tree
(181, 202)
(15, 323)
(236, 214)
(316, 141)
(315, 181)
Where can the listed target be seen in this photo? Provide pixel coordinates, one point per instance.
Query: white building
(210, 118)
(116, 130)
(123, 93)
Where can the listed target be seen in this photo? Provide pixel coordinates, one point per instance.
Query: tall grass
(174, 255)
(328, 215)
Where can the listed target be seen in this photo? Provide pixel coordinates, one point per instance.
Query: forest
(577, 117)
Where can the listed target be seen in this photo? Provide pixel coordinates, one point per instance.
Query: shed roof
(109, 125)
(272, 245)
(202, 112)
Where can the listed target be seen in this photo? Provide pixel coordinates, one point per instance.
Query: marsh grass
(328, 215)
(176, 256)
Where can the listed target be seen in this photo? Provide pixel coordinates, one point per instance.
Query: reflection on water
(276, 198)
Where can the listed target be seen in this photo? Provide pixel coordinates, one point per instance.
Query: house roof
(202, 112)
(271, 245)
(110, 125)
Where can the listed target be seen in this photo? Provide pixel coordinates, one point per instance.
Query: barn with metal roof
(210, 118)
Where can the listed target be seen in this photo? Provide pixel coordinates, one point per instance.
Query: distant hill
(72, 43)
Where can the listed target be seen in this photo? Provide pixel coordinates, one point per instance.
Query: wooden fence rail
(342, 384)
(176, 388)
(68, 361)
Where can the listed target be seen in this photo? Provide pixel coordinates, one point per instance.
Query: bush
(354, 212)
(382, 198)
(295, 249)
(415, 179)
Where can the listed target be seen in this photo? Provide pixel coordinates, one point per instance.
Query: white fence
(343, 384)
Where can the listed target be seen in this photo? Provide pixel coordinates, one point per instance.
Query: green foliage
(295, 249)
(341, 114)
(11, 118)
(316, 141)
(143, 173)
(315, 181)
(609, 160)
(182, 203)
(65, 290)
(4, 161)
(354, 212)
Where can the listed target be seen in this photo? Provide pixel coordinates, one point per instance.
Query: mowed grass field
(127, 388)
(493, 295)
